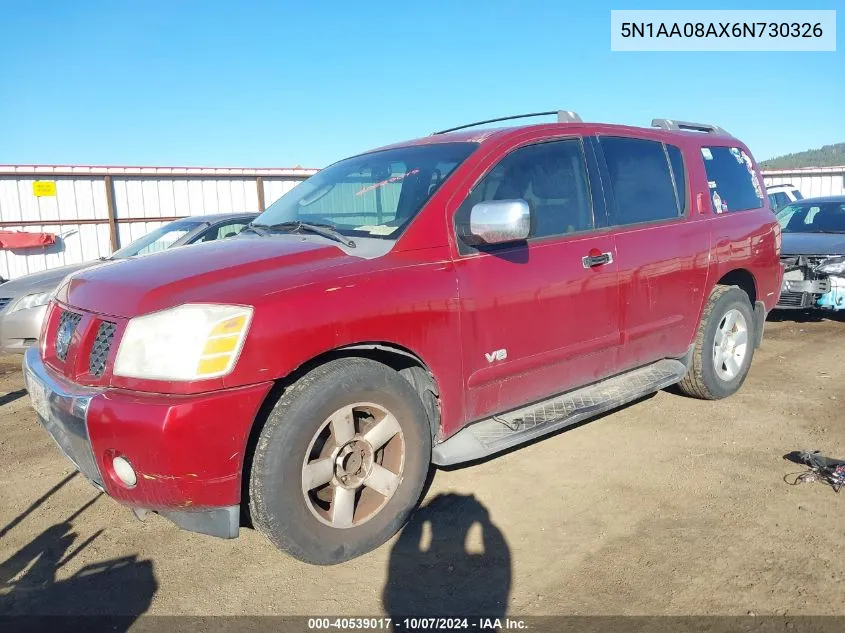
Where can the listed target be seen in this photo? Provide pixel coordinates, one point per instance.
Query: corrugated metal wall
(810, 181)
(142, 199)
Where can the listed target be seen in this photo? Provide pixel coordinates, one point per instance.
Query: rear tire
(724, 346)
(341, 461)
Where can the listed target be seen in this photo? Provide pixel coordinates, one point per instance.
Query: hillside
(827, 156)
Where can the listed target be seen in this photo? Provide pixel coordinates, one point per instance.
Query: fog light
(124, 471)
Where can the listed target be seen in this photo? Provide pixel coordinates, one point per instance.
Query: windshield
(158, 240)
(372, 195)
(821, 217)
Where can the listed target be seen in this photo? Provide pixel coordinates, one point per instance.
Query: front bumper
(187, 451)
(827, 293)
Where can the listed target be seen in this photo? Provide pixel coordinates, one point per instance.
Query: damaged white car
(813, 254)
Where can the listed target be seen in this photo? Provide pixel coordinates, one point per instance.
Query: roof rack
(563, 116)
(672, 124)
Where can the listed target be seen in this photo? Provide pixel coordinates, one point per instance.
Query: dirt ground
(670, 506)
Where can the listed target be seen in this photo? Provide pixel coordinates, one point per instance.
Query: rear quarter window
(731, 178)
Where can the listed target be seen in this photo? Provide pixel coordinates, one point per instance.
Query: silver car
(23, 301)
(813, 254)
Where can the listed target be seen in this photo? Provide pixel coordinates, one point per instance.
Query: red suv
(432, 302)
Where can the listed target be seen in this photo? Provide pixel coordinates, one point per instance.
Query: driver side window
(551, 177)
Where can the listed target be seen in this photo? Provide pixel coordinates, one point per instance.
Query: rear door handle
(590, 261)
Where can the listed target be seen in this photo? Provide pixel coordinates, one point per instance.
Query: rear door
(537, 317)
(662, 247)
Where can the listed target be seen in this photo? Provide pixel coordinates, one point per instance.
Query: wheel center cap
(353, 463)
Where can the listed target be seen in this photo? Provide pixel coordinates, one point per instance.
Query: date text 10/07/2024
(416, 624)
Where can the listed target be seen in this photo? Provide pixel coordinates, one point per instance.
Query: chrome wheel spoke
(343, 507)
(343, 425)
(731, 365)
(317, 473)
(382, 480)
(720, 336)
(730, 321)
(740, 338)
(382, 432)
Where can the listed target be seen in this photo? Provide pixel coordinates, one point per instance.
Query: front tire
(341, 461)
(724, 346)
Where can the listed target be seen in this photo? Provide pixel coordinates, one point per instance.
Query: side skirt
(501, 432)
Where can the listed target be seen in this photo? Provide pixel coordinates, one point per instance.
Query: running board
(507, 430)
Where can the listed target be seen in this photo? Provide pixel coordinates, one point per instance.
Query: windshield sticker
(736, 154)
(711, 184)
(708, 155)
(719, 205)
(377, 229)
(382, 183)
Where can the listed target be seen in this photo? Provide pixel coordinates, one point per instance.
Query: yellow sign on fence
(42, 188)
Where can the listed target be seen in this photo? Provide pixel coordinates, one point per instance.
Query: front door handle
(590, 261)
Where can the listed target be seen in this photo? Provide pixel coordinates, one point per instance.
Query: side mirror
(498, 222)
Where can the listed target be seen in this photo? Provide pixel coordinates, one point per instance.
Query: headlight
(31, 301)
(189, 342)
(832, 266)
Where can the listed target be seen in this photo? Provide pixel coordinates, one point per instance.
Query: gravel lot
(668, 506)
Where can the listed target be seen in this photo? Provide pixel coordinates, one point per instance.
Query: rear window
(733, 183)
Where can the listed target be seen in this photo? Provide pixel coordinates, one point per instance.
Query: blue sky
(164, 82)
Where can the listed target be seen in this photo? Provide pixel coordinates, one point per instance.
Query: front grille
(64, 333)
(4, 301)
(791, 300)
(100, 349)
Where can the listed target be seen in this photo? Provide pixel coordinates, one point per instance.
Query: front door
(540, 316)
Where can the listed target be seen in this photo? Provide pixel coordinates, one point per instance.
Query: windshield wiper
(326, 230)
(258, 229)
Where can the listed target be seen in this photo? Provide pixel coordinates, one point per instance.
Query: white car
(782, 195)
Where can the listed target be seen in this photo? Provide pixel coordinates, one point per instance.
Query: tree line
(827, 156)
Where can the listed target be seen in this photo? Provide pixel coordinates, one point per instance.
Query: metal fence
(810, 181)
(96, 210)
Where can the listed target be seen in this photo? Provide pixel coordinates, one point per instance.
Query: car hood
(44, 281)
(813, 244)
(237, 271)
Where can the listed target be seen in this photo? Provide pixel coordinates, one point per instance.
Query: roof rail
(672, 124)
(563, 116)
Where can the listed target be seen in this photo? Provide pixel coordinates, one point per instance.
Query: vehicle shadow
(6, 398)
(805, 316)
(37, 594)
(450, 561)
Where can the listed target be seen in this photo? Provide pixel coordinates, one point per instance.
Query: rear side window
(641, 180)
(733, 183)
